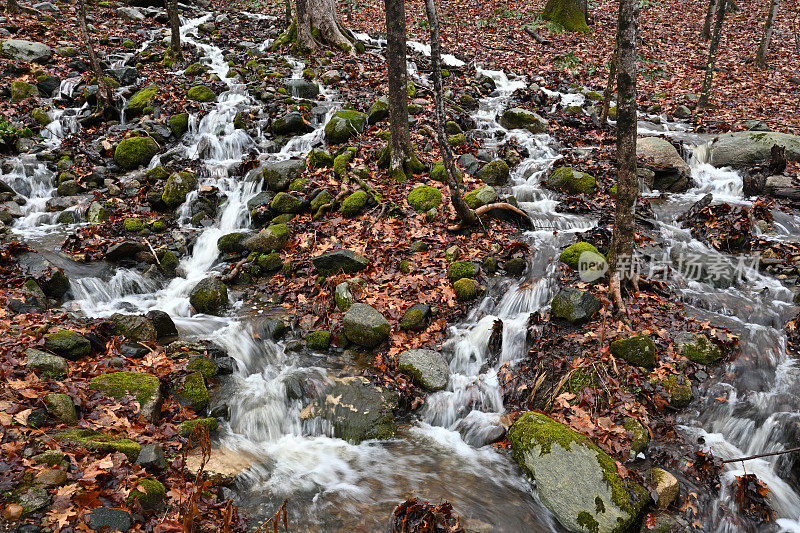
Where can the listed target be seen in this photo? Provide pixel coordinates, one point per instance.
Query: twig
(235, 270)
(539, 39)
(152, 251)
(761, 455)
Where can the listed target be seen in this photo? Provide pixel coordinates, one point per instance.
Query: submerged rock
(575, 479)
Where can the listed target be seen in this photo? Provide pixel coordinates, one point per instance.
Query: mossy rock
(152, 494)
(378, 111)
(201, 93)
(68, 344)
(466, 289)
(415, 318)
(575, 479)
(193, 392)
(21, 90)
(142, 99)
(424, 198)
(46, 365)
(344, 124)
(568, 15)
(318, 340)
(100, 442)
(204, 365)
(232, 243)
(572, 253)
(678, 389)
(365, 326)
(156, 174)
(286, 203)
(516, 118)
(269, 262)
(195, 69)
(179, 124)
(354, 203)
(97, 213)
(494, 173)
(209, 296)
(479, 197)
(319, 158)
(188, 426)
(133, 224)
(641, 437)
(575, 306)
(40, 116)
(515, 266)
(178, 186)
(569, 180)
(698, 348)
(61, 407)
(457, 140)
(133, 152)
(438, 173)
(146, 388)
(639, 350)
(461, 269)
(270, 239)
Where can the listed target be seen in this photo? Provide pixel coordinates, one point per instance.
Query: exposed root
(499, 206)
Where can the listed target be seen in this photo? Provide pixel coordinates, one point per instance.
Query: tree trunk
(612, 74)
(288, 12)
(104, 94)
(320, 15)
(174, 27)
(466, 215)
(12, 6)
(761, 56)
(398, 87)
(571, 14)
(712, 54)
(712, 8)
(627, 186)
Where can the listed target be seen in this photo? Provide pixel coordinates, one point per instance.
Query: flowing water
(442, 454)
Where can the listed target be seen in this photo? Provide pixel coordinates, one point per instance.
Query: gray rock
(415, 318)
(136, 328)
(109, 519)
(270, 239)
(751, 148)
(291, 124)
(125, 75)
(302, 89)
(365, 326)
(575, 306)
(356, 410)
(210, 296)
(125, 250)
(68, 344)
(378, 111)
(517, 118)
(163, 324)
(61, 407)
(671, 171)
(682, 112)
(45, 364)
(130, 13)
(34, 500)
(428, 368)
(339, 261)
(756, 125)
(494, 173)
(278, 176)
(151, 457)
(469, 163)
(342, 296)
(46, 6)
(28, 51)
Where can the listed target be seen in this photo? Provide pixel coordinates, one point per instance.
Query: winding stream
(336, 486)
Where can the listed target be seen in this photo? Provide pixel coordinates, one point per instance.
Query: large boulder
(141, 100)
(516, 118)
(178, 185)
(575, 306)
(658, 155)
(133, 152)
(569, 180)
(146, 388)
(28, 51)
(278, 176)
(365, 326)
(210, 296)
(68, 344)
(291, 124)
(427, 368)
(344, 124)
(337, 261)
(751, 148)
(356, 410)
(136, 328)
(270, 239)
(201, 93)
(575, 479)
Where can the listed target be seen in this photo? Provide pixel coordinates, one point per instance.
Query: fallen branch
(760, 455)
(499, 206)
(538, 38)
(235, 270)
(152, 251)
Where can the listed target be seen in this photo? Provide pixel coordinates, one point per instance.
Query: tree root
(498, 206)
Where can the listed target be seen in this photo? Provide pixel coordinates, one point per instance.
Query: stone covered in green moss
(365, 326)
(133, 224)
(344, 124)
(640, 435)
(156, 174)
(209, 296)
(678, 389)
(195, 69)
(133, 152)
(146, 388)
(575, 479)
(188, 426)
(40, 116)
(100, 442)
(457, 139)
(494, 173)
(354, 203)
(201, 93)
(178, 186)
(569, 180)
(20, 90)
(639, 350)
(572, 253)
(179, 124)
(45, 365)
(286, 203)
(68, 344)
(516, 118)
(193, 391)
(97, 213)
(151, 495)
(61, 407)
(466, 289)
(378, 111)
(270, 239)
(204, 365)
(479, 197)
(141, 100)
(461, 269)
(232, 243)
(319, 158)
(318, 340)
(698, 348)
(575, 306)
(438, 173)
(424, 198)
(415, 318)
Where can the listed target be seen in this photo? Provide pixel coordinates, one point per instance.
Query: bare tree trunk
(712, 8)
(712, 54)
(174, 27)
(612, 74)
(466, 215)
(105, 96)
(12, 6)
(571, 14)
(320, 15)
(761, 56)
(398, 87)
(288, 12)
(627, 186)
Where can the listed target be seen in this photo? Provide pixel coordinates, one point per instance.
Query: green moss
(286, 203)
(156, 174)
(457, 139)
(341, 161)
(640, 435)
(638, 350)
(412, 319)
(587, 521)
(679, 390)
(354, 203)
(195, 69)
(318, 340)
(344, 124)
(568, 15)
(133, 224)
(412, 89)
(179, 124)
(100, 442)
(40, 116)
(461, 269)
(480, 197)
(572, 253)
(49, 458)
(68, 343)
(701, 350)
(158, 226)
(178, 185)
(187, 427)
(319, 158)
(201, 93)
(143, 386)
(21, 90)
(206, 367)
(169, 262)
(424, 198)
(194, 391)
(134, 152)
(579, 380)
(466, 289)
(127, 43)
(269, 262)
(153, 495)
(571, 181)
(143, 98)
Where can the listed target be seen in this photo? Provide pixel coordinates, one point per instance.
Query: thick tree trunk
(104, 94)
(705, 93)
(398, 87)
(571, 14)
(761, 56)
(627, 186)
(12, 6)
(288, 15)
(466, 215)
(712, 8)
(320, 15)
(174, 27)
